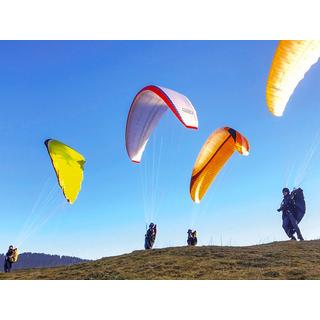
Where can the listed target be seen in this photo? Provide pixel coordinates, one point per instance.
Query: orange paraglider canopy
(213, 155)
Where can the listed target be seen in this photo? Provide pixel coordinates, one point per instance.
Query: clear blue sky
(80, 93)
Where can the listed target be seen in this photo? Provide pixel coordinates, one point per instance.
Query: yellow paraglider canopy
(68, 165)
(292, 60)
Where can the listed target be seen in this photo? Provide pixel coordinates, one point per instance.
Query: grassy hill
(277, 260)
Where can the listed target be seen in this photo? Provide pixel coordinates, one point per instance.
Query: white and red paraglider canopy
(146, 110)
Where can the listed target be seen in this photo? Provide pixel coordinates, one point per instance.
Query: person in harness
(10, 258)
(192, 238)
(150, 236)
(289, 215)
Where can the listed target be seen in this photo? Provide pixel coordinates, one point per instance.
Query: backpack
(15, 255)
(298, 200)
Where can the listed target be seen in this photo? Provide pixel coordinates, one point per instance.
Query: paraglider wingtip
(277, 113)
(194, 198)
(47, 141)
(192, 127)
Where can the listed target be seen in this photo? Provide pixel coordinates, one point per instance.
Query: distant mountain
(29, 260)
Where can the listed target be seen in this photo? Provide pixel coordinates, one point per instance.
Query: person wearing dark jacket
(8, 259)
(289, 223)
(150, 236)
(192, 238)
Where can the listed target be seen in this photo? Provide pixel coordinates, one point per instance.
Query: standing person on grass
(289, 222)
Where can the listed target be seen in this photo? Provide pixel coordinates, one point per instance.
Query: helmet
(151, 225)
(11, 247)
(285, 190)
(189, 230)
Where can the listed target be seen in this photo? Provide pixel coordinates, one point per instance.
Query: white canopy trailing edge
(145, 112)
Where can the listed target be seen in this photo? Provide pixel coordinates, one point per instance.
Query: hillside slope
(277, 260)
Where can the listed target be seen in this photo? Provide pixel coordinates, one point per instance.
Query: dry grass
(278, 260)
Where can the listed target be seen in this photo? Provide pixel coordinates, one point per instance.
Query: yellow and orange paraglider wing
(292, 60)
(68, 165)
(212, 157)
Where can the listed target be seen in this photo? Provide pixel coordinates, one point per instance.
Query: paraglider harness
(150, 236)
(15, 255)
(299, 204)
(192, 238)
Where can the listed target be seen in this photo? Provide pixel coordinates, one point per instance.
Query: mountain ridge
(29, 260)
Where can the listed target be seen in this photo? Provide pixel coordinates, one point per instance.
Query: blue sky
(80, 93)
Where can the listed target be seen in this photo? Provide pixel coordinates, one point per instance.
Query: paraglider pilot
(289, 222)
(8, 259)
(150, 236)
(192, 238)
